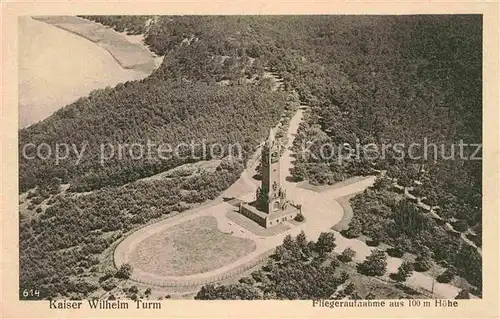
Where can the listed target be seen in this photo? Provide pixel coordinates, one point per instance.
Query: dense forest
(376, 79)
(299, 269)
(162, 112)
(60, 249)
(128, 24)
(384, 216)
(388, 80)
(179, 102)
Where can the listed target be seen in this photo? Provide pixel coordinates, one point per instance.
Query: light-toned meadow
(191, 247)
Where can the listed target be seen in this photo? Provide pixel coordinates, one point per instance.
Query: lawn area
(191, 247)
(253, 227)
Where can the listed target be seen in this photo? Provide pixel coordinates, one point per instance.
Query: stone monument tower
(271, 196)
(270, 207)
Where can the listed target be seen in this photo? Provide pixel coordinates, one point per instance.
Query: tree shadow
(257, 177)
(394, 276)
(232, 201)
(373, 242)
(394, 252)
(292, 179)
(349, 234)
(406, 289)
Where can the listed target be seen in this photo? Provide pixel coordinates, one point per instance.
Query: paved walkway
(321, 211)
(432, 211)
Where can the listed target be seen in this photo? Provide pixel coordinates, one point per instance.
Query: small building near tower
(271, 206)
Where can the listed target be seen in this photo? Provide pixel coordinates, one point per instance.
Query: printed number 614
(31, 293)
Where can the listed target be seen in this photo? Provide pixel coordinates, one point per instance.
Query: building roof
(279, 213)
(274, 214)
(255, 211)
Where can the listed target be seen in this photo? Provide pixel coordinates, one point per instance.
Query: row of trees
(145, 113)
(63, 246)
(388, 80)
(299, 269)
(365, 77)
(380, 215)
(180, 102)
(132, 24)
(376, 265)
(302, 269)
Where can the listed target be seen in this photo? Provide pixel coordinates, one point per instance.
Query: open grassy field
(191, 247)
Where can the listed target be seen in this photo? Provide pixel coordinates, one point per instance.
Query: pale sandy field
(192, 247)
(57, 67)
(320, 209)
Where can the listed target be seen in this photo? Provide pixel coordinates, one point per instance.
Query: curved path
(321, 211)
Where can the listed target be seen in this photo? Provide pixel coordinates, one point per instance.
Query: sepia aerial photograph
(250, 157)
